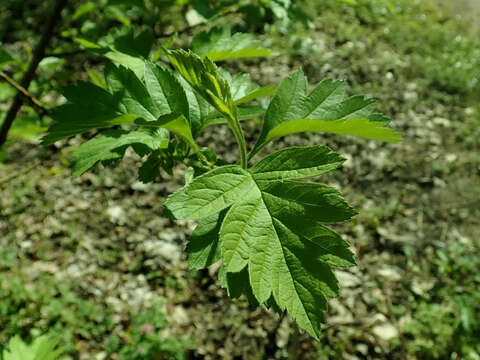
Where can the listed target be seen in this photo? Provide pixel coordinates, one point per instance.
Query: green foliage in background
(446, 318)
(56, 306)
(42, 348)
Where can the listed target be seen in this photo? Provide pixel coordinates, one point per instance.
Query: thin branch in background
(38, 55)
(16, 174)
(32, 99)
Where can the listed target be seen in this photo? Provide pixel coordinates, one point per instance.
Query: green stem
(237, 130)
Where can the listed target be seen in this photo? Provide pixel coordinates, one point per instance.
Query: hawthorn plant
(260, 218)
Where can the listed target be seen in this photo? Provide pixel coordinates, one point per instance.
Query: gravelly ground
(104, 234)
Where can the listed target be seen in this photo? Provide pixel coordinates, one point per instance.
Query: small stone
(390, 273)
(362, 349)
(140, 186)
(346, 279)
(283, 334)
(375, 319)
(180, 315)
(117, 215)
(385, 331)
(169, 251)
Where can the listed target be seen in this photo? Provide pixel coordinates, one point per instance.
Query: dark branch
(38, 55)
(32, 99)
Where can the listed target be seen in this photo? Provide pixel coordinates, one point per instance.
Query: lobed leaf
(111, 145)
(132, 94)
(272, 229)
(160, 102)
(88, 107)
(294, 110)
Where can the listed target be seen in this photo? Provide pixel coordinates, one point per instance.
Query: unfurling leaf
(203, 114)
(204, 78)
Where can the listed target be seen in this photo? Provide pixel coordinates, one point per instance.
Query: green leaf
(165, 90)
(297, 163)
(237, 284)
(125, 41)
(123, 48)
(203, 77)
(169, 97)
(205, 9)
(362, 127)
(42, 348)
(241, 84)
(294, 110)
(175, 123)
(243, 89)
(150, 169)
(118, 13)
(88, 107)
(219, 44)
(203, 246)
(210, 193)
(133, 63)
(111, 145)
(160, 102)
(133, 95)
(97, 78)
(199, 108)
(306, 200)
(274, 228)
(264, 91)
(83, 10)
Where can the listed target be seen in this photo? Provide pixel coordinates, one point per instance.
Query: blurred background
(92, 260)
